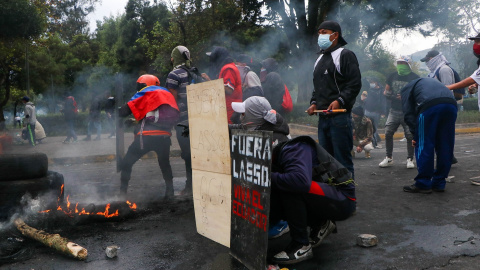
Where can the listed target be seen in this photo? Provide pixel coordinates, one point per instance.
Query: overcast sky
(399, 43)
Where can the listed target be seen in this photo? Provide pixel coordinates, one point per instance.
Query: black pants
(186, 155)
(31, 134)
(159, 144)
(302, 210)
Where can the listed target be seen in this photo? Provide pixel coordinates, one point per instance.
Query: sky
(399, 43)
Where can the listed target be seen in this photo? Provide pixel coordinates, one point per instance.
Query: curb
(101, 158)
(399, 135)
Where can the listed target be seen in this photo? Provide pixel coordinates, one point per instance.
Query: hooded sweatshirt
(30, 114)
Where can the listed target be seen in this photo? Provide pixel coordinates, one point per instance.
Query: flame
(74, 211)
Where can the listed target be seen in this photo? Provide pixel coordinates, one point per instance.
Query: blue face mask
(324, 41)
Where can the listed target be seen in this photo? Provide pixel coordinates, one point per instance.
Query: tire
(11, 192)
(23, 166)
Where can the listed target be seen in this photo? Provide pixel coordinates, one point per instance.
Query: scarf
(436, 63)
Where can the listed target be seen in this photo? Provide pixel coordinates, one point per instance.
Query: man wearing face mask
(473, 81)
(395, 82)
(183, 74)
(337, 82)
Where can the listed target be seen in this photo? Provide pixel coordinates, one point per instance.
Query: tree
(20, 22)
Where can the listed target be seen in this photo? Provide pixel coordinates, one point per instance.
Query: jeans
(394, 120)
(159, 144)
(375, 117)
(301, 210)
(335, 134)
(94, 124)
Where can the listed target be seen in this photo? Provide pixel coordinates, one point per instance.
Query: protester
(473, 81)
(94, 118)
(295, 197)
(157, 112)
(272, 84)
(395, 82)
(251, 85)
(183, 74)
(440, 69)
(430, 112)
(30, 119)
(109, 108)
(375, 107)
(337, 82)
(223, 66)
(70, 112)
(362, 132)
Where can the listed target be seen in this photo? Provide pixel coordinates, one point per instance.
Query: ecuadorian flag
(149, 99)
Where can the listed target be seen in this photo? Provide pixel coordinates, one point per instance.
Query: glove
(129, 122)
(186, 130)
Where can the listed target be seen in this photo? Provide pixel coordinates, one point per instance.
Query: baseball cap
(335, 27)
(430, 54)
(475, 37)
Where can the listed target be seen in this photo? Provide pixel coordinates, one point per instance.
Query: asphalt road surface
(415, 231)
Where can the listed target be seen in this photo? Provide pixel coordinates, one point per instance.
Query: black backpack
(458, 93)
(193, 75)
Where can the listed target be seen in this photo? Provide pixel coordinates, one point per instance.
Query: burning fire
(74, 211)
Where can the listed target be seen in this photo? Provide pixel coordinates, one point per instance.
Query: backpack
(328, 170)
(193, 75)
(287, 103)
(458, 93)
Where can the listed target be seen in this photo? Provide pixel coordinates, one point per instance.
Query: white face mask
(372, 85)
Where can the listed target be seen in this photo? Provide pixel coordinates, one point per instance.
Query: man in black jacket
(430, 113)
(337, 82)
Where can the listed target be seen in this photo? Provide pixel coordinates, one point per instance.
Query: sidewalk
(104, 150)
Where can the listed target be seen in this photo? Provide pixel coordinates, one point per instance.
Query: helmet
(147, 80)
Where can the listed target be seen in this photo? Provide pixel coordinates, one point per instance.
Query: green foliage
(470, 104)
(466, 117)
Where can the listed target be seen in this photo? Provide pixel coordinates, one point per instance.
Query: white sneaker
(410, 164)
(386, 162)
(403, 140)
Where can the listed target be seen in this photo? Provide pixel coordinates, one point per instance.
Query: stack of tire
(26, 173)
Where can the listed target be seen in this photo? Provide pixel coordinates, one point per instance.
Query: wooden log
(55, 241)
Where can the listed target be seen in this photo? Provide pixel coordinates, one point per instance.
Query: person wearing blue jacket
(430, 112)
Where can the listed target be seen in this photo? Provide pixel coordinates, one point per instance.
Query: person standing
(223, 66)
(110, 112)
(337, 82)
(183, 74)
(156, 111)
(70, 112)
(94, 119)
(430, 112)
(272, 84)
(440, 69)
(30, 119)
(395, 82)
(375, 107)
(471, 82)
(18, 120)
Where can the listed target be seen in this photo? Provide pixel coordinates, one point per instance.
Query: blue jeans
(94, 124)
(335, 134)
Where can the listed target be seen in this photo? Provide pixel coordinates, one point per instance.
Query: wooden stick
(331, 111)
(55, 241)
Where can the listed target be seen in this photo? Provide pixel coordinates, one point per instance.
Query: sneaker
(111, 137)
(386, 162)
(66, 141)
(317, 234)
(294, 253)
(415, 189)
(278, 229)
(410, 164)
(378, 146)
(475, 182)
(404, 139)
